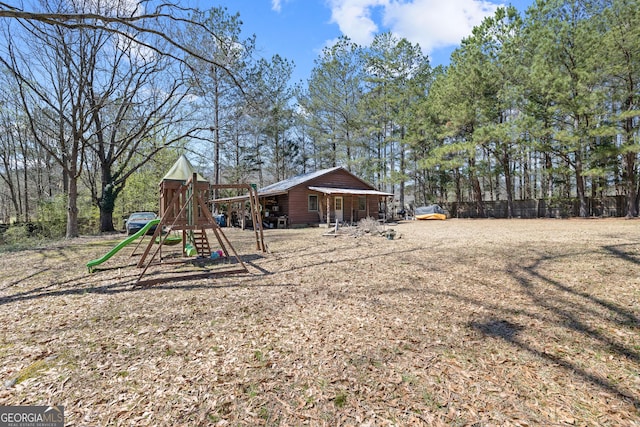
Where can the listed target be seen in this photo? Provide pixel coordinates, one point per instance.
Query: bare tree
(137, 106)
(51, 85)
(10, 162)
(125, 19)
(108, 79)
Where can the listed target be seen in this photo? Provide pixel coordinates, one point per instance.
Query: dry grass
(461, 322)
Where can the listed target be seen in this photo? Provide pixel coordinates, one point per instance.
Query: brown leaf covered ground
(458, 322)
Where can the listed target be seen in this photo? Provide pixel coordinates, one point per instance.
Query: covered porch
(349, 204)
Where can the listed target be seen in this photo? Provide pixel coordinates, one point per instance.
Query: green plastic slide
(125, 242)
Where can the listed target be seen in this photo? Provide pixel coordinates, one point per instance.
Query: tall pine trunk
(629, 172)
(477, 189)
(580, 187)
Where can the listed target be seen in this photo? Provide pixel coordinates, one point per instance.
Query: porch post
(328, 211)
(366, 200)
(352, 209)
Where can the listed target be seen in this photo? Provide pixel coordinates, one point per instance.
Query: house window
(313, 203)
(362, 203)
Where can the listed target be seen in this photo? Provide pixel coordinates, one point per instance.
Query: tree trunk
(20, 214)
(402, 169)
(65, 174)
(348, 147)
(477, 190)
(459, 199)
(629, 174)
(580, 187)
(506, 162)
(107, 206)
(8, 179)
(547, 183)
(72, 208)
(216, 133)
(25, 179)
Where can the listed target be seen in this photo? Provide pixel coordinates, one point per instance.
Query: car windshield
(142, 216)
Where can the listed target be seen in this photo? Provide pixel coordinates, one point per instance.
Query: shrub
(368, 225)
(16, 234)
(20, 236)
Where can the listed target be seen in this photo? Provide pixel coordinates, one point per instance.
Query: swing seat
(170, 240)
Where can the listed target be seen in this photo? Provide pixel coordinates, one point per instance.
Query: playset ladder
(201, 243)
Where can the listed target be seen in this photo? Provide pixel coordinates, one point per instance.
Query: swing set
(185, 218)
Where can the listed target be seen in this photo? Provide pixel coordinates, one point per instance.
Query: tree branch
(135, 23)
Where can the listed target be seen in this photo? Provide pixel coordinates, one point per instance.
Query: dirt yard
(458, 322)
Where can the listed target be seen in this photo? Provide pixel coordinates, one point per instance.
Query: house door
(338, 208)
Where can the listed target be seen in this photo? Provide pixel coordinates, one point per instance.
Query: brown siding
(283, 201)
(299, 206)
(338, 179)
(298, 209)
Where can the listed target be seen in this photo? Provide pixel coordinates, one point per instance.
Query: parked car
(137, 220)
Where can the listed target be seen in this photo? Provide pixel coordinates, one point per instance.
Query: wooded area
(99, 100)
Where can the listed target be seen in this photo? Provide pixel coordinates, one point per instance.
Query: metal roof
(282, 187)
(353, 191)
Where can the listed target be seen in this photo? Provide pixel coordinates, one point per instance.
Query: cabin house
(324, 196)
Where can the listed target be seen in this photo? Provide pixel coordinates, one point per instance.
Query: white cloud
(276, 5)
(431, 23)
(434, 23)
(354, 18)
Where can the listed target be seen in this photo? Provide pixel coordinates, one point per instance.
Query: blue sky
(299, 29)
